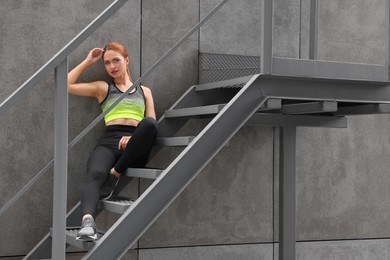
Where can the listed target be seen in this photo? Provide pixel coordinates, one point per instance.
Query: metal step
(194, 111)
(230, 83)
(71, 234)
(174, 141)
(146, 173)
(116, 205)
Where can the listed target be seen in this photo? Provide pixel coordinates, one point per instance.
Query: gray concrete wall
(230, 210)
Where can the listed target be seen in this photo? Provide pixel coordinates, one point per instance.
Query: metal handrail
(54, 62)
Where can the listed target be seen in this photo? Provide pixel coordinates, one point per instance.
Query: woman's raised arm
(91, 89)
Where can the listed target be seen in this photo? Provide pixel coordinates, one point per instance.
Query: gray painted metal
(194, 111)
(266, 37)
(60, 160)
(71, 234)
(330, 69)
(217, 67)
(178, 175)
(310, 107)
(271, 104)
(300, 88)
(287, 193)
(224, 83)
(387, 33)
(143, 173)
(313, 39)
(311, 69)
(61, 55)
(116, 206)
(259, 119)
(174, 141)
(365, 109)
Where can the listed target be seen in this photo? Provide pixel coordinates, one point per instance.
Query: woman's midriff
(123, 121)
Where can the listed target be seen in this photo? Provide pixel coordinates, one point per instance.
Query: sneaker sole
(86, 238)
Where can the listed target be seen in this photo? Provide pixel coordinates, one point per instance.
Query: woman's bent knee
(149, 123)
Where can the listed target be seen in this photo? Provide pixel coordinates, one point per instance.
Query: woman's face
(115, 63)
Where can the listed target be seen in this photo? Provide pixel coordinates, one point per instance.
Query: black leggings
(107, 155)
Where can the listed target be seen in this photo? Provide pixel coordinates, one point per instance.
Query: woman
(129, 135)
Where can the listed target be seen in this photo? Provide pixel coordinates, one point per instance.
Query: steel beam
(194, 111)
(310, 107)
(387, 33)
(287, 193)
(365, 109)
(60, 161)
(329, 69)
(271, 104)
(261, 119)
(298, 88)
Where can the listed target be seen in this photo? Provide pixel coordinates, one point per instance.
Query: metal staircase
(225, 120)
(255, 100)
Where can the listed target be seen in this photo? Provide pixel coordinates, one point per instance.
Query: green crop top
(132, 106)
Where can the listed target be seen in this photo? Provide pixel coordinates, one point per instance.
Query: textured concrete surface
(131, 255)
(342, 174)
(233, 252)
(352, 31)
(377, 249)
(342, 180)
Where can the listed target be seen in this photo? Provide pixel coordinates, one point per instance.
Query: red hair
(116, 46)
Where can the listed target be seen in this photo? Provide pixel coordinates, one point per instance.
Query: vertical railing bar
(266, 37)
(387, 33)
(60, 161)
(313, 40)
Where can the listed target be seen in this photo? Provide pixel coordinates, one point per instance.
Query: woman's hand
(95, 54)
(123, 142)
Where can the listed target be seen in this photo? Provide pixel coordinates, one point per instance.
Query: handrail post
(387, 33)
(313, 43)
(60, 160)
(266, 37)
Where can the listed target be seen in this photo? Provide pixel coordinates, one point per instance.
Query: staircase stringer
(168, 186)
